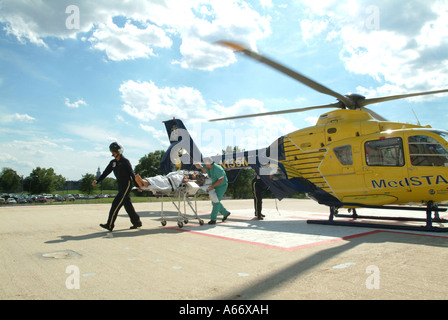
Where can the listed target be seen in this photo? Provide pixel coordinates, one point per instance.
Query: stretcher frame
(182, 196)
(179, 195)
(181, 189)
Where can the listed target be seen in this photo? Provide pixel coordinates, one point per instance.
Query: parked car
(22, 199)
(11, 201)
(2, 201)
(58, 197)
(69, 197)
(41, 199)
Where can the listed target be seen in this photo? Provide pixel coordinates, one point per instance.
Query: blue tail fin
(182, 153)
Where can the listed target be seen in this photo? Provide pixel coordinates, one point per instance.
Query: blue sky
(76, 75)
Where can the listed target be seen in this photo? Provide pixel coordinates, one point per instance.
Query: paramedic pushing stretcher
(125, 176)
(219, 185)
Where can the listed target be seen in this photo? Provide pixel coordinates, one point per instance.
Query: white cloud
(99, 138)
(146, 101)
(266, 3)
(16, 117)
(311, 120)
(208, 21)
(26, 153)
(159, 135)
(398, 43)
(7, 160)
(241, 107)
(128, 42)
(76, 104)
(150, 104)
(22, 118)
(311, 28)
(94, 134)
(202, 55)
(149, 25)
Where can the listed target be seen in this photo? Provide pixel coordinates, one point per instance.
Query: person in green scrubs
(219, 185)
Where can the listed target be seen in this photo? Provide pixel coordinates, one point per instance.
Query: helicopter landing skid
(430, 209)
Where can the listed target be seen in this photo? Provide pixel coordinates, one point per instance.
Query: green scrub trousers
(215, 173)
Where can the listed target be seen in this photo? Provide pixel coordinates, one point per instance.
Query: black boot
(137, 225)
(225, 217)
(105, 226)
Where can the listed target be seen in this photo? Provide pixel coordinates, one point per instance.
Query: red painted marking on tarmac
(299, 247)
(415, 234)
(305, 246)
(320, 243)
(309, 245)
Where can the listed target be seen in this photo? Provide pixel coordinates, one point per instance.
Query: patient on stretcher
(169, 183)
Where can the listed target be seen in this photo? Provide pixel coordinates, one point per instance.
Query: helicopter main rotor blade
(332, 105)
(293, 74)
(366, 102)
(373, 114)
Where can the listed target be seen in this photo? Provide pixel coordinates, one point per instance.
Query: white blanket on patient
(171, 182)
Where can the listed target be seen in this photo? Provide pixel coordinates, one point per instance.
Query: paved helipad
(60, 252)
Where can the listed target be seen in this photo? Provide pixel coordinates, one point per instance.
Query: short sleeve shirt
(217, 172)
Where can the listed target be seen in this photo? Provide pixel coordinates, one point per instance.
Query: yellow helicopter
(352, 158)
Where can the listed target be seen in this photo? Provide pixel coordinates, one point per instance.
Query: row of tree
(42, 180)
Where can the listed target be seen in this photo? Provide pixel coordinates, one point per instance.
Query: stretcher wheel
(163, 223)
(186, 221)
(180, 224)
(201, 222)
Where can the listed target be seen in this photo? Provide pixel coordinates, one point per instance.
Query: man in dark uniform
(125, 176)
(258, 187)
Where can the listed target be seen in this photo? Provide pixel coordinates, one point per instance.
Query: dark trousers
(258, 187)
(123, 199)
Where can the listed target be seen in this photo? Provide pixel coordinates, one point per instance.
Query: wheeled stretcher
(179, 189)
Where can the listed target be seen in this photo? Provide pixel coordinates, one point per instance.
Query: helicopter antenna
(418, 121)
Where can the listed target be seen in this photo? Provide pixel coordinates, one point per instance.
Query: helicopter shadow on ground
(295, 226)
(294, 270)
(300, 227)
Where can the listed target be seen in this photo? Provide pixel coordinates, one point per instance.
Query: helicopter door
(428, 166)
(385, 174)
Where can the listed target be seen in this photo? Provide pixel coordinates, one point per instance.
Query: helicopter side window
(385, 152)
(427, 151)
(344, 155)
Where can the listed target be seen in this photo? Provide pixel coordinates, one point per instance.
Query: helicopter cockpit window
(385, 152)
(427, 151)
(344, 155)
